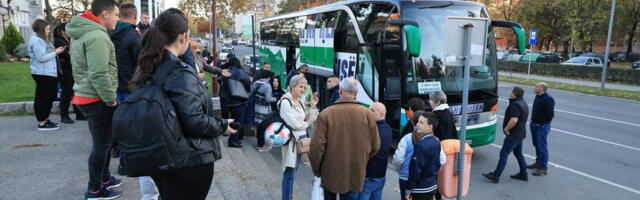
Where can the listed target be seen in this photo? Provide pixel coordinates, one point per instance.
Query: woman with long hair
(65, 75)
(44, 70)
(161, 45)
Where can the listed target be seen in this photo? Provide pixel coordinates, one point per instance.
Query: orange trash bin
(447, 179)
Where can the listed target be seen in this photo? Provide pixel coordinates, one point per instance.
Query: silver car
(584, 61)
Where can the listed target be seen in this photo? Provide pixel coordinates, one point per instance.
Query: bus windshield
(428, 68)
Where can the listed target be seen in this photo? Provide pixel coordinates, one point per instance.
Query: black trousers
(66, 81)
(100, 117)
(46, 93)
(188, 183)
(423, 196)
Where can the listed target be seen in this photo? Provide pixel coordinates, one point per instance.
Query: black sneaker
(520, 176)
(48, 126)
(102, 194)
(66, 119)
(491, 177)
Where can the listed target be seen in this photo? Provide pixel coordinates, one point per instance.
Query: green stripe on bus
(317, 56)
(481, 136)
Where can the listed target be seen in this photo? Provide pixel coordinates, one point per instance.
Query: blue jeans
(511, 144)
(539, 133)
(288, 177)
(403, 187)
(100, 117)
(346, 196)
(372, 189)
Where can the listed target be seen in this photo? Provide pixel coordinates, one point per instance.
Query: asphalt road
(594, 147)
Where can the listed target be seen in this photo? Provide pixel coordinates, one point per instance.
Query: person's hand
(59, 50)
(307, 118)
(226, 73)
(314, 100)
(408, 197)
(506, 132)
(201, 75)
(115, 103)
(229, 129)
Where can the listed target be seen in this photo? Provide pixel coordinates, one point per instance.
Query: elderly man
(342, 160)
(377, 166)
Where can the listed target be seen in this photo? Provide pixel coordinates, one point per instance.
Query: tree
(225, 9)
(11, 38)
(628, 19)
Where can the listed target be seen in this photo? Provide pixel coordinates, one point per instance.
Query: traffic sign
(533, 34)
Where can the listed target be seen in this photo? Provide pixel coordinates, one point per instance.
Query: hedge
(581, 72)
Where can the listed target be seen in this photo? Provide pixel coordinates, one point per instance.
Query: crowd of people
(102, 56)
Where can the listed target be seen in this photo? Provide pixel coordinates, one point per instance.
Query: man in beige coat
(345, 138)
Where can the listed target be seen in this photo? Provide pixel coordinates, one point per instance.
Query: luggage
(447, 179)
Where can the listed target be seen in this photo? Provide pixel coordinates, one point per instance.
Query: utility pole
(214, 35)
(606, 51)
(253, 46)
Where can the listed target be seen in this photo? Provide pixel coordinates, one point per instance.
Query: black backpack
(148, 131)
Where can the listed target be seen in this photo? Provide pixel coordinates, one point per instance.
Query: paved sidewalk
(572, 81)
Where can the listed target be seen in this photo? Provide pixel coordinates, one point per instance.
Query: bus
(395, 49)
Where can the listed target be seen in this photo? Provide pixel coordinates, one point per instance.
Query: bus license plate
(472, 108)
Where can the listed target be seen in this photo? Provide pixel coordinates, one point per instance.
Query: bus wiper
(450, 3)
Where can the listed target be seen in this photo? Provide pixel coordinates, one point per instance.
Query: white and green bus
(395, 49)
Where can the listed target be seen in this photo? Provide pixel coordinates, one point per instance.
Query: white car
(224, 52)
(584, 61)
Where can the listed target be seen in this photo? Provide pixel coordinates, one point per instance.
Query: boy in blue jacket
(425, 162)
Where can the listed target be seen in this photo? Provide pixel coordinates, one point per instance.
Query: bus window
(345, 38)
(366, 73)
(327, 20)
(372, 18)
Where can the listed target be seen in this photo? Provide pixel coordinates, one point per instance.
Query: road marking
(581, 173)
(589, 138)
(594, 117)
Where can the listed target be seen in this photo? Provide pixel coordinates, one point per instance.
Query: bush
(580, 72)
(11, 38)
(21, 51)
(3, 53)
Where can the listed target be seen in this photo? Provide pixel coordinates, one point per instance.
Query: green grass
(16, 83)
(623, 94)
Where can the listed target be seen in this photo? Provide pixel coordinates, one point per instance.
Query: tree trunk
(631, 33)
(47, 11)
(548, 44)
(565, 49)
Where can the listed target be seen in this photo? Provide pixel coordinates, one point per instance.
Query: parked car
(514, 57)
(503, 55)
(249, 43)
(247, 60)
(224, 52)
(623, 57)
(539, 57)
(584, 61)
(593, 55)
(635, 65)
(227, 45)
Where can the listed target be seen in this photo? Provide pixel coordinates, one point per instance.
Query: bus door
(290, 64)
(391, 58)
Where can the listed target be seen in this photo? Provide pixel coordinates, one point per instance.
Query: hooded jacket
(93, 59)
(446, 128)
(126, 41)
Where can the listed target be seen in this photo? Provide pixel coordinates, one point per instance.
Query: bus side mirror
(413, 39)
(517, 30)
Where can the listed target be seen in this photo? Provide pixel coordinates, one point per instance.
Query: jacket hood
(83, 24)
(443, 106)
(121, 27)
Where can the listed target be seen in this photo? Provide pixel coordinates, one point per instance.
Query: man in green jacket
(96, 79)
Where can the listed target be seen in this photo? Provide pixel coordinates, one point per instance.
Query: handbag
(317, 193)
(303, 145)
(237, 90)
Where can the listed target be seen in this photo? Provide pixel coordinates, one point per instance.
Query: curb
(27, 106)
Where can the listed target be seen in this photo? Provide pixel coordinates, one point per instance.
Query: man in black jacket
(541, 116)
(126, 40)
(144, 22)
(514, 127)
(377, 165)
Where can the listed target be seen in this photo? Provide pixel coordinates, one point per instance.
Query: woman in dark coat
(65, 76)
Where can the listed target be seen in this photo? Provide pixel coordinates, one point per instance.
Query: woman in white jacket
(293, 113)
